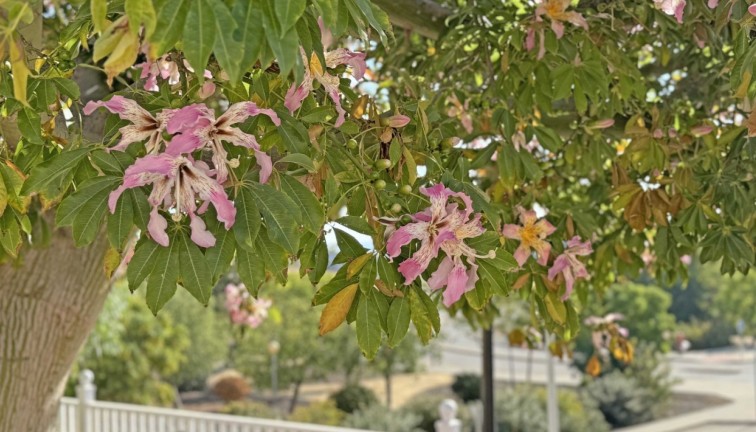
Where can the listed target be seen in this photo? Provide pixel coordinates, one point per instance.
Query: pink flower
(178, 182)
(168, 69)
(532, 235)
(672, 7)
(441, 226)
(144, 125)
(243, 308)
(713, 4)
(568, 264)
(557, 12)
(752, 9)
(314, 70)
(196, 128)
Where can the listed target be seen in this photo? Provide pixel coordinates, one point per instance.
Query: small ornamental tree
(538, 146)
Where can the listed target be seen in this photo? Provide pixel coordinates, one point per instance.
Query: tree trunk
(295, 396)
(48, 306)
(387, 377)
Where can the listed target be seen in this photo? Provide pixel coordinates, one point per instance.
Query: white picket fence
(86, 414)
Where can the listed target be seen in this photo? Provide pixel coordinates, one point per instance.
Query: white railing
(85, 414)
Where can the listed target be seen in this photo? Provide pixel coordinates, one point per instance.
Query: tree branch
(425, 17)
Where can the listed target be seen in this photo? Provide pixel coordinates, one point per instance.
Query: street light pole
(487, 384)
(552, 402)
(273, 348)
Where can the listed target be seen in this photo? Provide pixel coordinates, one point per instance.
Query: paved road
(725, 373)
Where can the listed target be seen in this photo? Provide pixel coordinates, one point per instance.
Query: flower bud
(701, 130)
(601, 124)
(398, 121)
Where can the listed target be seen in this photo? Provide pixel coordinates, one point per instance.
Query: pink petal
(456, 285)
(558, 28)
(200, 235)
(224, 207)
(265, 164)
(295, 95)
(188, 118)
(398, 121)
(530, 39)
(752, 9)
(410, 269)
(569, 282)
(186, 142)
(544, 227)
(326, 37)
(113, 198)
(343, 56)
(522, 254)
(439, 277)
(401, 237)
(528, 217)
(560, 263)
(713, 4)
(156, 227)
(543, 249)
(511, 231)
(207, 90)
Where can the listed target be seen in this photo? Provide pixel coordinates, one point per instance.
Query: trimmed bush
(620, 398)
(229, 385)
(467, 387)
(354, 397)
(379, 418)
(322, 413)
(249, 409)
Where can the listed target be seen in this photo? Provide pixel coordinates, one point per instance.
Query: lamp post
(273, 348)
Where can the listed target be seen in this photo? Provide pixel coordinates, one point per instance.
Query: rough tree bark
(48, 306)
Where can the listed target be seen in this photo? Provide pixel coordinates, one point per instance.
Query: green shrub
(379, 418)
(524, 409)
(354, 397)
(426, 406)
(249, 409)
(467, 386)
(621, 399)
(323, 413)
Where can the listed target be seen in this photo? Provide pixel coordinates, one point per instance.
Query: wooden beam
(425, 17)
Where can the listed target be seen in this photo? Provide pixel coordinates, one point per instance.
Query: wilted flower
(556, 10)
(442, 226)
(531, 235)
(177, 183)
(568, 264)
(144, 125)
(245, 309)
(314, 70)
(673, 7)
(196, 127)
(460, 111)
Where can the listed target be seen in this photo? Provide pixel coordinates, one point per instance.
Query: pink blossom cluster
(167, 69)
(443, 226)
(244, 309)
(182, 185)
(532, 234)
(315, 71)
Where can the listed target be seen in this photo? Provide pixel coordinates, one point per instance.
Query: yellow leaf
(315, 66)
(358, 108)
(742, 90)
(593, 368)
(556, 308)
(99, 14)
(123, 57)
(357, 264)
(337, 308)
(111, 261)
(20, 71)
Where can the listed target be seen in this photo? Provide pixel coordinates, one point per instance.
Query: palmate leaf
(161, 285)
(72, 205)
(280, 214)
(227, 47)
(142, 262)
(51, 173)
(398, 320)
(199, 35)
(368, 326)
(249, 32)
(171, 14)
(195, 275)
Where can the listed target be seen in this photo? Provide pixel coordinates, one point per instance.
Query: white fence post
(86, 392)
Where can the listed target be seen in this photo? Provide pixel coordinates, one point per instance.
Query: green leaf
(249, 32)
(478, 297)
(313, 217)
(226, 47)
(87, 223)
(367, 276)
(368, 326)
(199, 35)
(288, 13)
(161, 285)
(251, 268)
(72, 204)
(172, 17)
(53, 170)
(431, 309)
(248, 221)
(3, 196)
(30, 126)
(141, 263)
(283, 42)
(113, 163)
(356, 223)
(141, 13)
(274, 256)
(219, 256)
(120, 223)
(300, 159)
(388, 273)
(67, 87)
(419, 316)
(280, 214)
(398, 320)
(194, 273)
(349, 247)
(328, 290)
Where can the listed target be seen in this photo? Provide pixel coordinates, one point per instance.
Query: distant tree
(134, 354)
